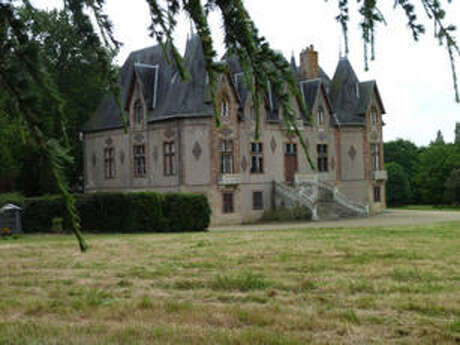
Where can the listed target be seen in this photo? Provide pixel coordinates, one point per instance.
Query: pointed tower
(345, 91)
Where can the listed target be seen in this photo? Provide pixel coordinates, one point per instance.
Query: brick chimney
(309, 63)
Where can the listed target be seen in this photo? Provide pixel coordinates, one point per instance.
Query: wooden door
(290, 161)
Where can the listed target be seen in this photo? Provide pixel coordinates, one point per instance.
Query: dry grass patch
(397, 285)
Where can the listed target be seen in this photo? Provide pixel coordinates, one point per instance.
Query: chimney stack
(309, 63)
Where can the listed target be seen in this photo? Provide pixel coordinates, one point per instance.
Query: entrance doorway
(290, 161)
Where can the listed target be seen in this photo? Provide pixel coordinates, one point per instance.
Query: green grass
(429, 207)
(391, 285)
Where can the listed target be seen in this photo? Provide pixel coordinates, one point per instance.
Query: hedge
(181, 210)
(122, 212)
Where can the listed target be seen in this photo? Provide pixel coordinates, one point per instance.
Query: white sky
(414, 79)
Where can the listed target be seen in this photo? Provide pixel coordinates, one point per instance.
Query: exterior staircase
(321, 198)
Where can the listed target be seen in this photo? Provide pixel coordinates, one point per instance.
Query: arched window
(138, 113)
(320, 116)
(224, 106)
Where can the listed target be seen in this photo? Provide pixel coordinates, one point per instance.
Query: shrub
(186, 211)
(38, 213)
(285, 214)
(121, 212)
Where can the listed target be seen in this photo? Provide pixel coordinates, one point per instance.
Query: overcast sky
(414, 78)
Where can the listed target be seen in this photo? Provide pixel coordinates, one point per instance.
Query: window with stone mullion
(322, 157)
(375, 157)
(109, 162)
(257, 158)
(169, 157)
(226, 157)
(139, 160)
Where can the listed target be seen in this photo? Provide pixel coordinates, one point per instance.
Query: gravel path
(388, 218)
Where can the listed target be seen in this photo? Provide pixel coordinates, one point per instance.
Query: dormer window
(224, 106)
(320, 117)
(138, 113)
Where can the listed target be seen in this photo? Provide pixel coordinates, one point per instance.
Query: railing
(298, 195)
(355, 206)
(341, 198)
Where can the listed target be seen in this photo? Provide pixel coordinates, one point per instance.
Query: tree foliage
(436, 164)
(406, 154)
(35, 95)
(453, 187)
(398, 189)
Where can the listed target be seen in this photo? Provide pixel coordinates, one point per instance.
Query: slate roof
(350, 97)
(174, 97)
(167, 96)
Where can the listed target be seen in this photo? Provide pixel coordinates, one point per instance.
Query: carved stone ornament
(226, 131)
(94, 159)
(122, 157)
(244, 163)
(139, 138)
(196, 151)
(332, 163)
(352, 152)
(374, 136)
(273, 144)
(322, 137)
(155, 153)
(169, 133)
(109, 141)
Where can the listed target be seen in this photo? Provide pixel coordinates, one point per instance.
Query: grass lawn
(428, 208)
(394, 285)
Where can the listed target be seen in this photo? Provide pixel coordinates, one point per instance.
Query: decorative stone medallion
(94, 159)
(122, 156)
(273, 144)
(196, 151)
(109, 141)
(169, 133)
(352, 152)
(139, 137)
(155, 153)
(244, 163)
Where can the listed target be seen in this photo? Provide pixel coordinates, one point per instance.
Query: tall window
(169, 155)
(320, 117)
(375, 157)
(224, 106)
(109, 162)
(138, 113)
(139, 160)
(373, 118)
(227, 202)
(257, 200)
(321, 150)
(226, 156)
(377, 196)
(253, 113)
(257, 158)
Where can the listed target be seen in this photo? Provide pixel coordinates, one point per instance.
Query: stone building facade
(173, 145)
